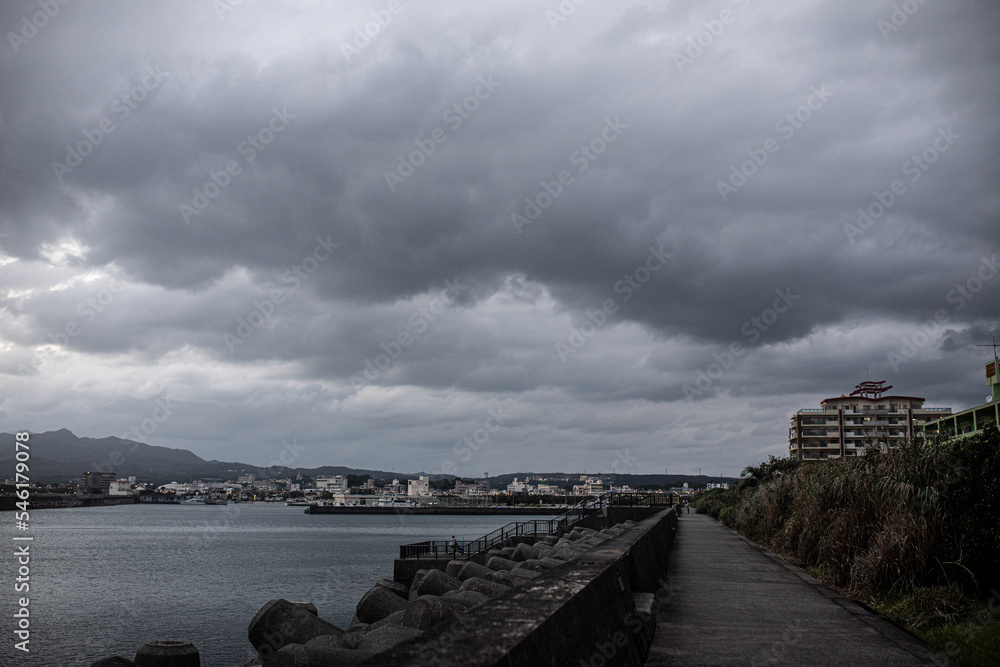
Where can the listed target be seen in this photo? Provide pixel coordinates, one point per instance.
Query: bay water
(106, 580)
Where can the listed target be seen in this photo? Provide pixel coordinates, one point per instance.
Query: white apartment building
(418, 487)
(120, 487)
(331, 483)
(843, 427)
(519, 486)
(593, 486)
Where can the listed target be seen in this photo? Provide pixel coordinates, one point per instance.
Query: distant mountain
(61, 456)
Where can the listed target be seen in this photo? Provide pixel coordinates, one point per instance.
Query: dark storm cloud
(812, 184)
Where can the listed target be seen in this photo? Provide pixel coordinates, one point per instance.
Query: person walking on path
(455, 549)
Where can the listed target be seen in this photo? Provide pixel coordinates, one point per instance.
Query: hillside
(61, 456)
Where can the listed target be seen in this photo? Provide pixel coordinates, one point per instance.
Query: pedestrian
(453, 545)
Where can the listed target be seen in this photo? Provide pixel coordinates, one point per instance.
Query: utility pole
(994, 346)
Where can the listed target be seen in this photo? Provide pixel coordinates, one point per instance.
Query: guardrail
(532, 528)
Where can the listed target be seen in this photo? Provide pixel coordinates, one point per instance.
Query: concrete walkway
(729, 602)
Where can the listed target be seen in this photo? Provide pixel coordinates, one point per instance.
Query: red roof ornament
(870, 389)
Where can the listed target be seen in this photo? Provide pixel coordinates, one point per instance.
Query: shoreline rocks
(291, 634)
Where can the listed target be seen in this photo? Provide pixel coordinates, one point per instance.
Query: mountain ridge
(60, 456)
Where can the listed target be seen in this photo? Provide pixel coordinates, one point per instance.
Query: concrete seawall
(598, 609)
(587, 595)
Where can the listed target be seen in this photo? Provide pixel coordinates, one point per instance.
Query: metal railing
(533, 528)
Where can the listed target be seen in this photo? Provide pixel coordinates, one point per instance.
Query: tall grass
(925, 513)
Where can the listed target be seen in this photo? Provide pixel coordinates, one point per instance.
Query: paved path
(729, 602)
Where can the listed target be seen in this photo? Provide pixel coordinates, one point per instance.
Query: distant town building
(418, 487)
(974, 420)
(716, 485)
(472, 488)
(843, 427)
(97, 482)
(120, 487)
(592, 486)
(517, 486)
(332, 483)
(246, 479)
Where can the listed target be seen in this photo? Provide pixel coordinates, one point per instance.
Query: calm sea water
(106, 580)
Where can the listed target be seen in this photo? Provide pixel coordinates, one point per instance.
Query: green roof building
(973, 420)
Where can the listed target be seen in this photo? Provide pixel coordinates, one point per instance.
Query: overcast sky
(614, 237)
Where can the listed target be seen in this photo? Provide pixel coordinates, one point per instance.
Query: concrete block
(453, 567)
(279, 623)
(384, 638)
(395, 618)
(524, 552)
(497, 563)
(308, 606)
(472, 569)
(356, 626)
(318, 652)
(329, 652)
(352, 639)
(292, 655)
(429, 610)
(547, 540)
(521, 575)
(435, 582)
(378, 603)
(500, 577)
(535, 565)
(468, 598)
(484, 586)
(168, 653)
(402, 590)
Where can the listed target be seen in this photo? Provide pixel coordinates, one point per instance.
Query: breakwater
(587, 592)
(439, 511)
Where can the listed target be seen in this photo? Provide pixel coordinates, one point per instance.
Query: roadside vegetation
(913, 532)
